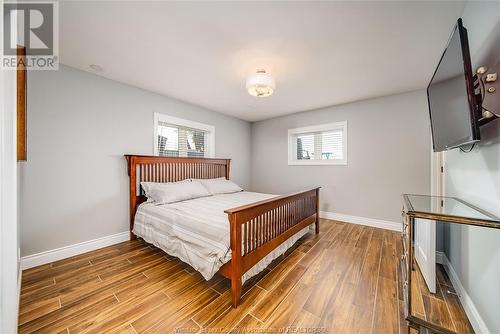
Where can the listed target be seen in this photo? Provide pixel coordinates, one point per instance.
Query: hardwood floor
(344, 280)
(443, 307)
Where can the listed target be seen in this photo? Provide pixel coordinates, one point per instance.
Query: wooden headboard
(168, 169)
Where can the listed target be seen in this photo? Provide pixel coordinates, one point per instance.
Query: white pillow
(220, 186)
(149, 186)
(170, 192)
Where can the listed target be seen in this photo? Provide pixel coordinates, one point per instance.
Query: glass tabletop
(447, 206)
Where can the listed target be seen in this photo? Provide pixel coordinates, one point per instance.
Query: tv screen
(452, 102)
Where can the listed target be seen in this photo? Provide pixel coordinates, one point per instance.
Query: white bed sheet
(197, 231)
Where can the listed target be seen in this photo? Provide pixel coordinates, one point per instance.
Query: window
(177, 137)
(318, 145)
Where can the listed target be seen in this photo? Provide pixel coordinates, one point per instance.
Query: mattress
(197, 231)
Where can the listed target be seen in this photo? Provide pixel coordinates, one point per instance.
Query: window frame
(292, 149)
(209, 129)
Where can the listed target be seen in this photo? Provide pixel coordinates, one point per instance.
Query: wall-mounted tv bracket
(486, 85)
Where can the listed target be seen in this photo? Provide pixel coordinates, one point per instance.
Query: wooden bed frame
(267, 224)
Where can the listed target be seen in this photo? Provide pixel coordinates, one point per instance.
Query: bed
(236, 235)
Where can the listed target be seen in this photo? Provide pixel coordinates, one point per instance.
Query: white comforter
(197, 231)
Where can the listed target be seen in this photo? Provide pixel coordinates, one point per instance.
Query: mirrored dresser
(442, 311)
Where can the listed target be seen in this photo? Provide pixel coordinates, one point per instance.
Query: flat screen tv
(453, 106)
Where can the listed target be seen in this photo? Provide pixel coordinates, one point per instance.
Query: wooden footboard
(258, 228)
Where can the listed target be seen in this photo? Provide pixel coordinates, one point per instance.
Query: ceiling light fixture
(260, 84)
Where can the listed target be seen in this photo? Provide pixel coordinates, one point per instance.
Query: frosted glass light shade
(260, 84)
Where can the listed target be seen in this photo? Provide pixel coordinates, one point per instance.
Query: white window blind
(182, 138)
(322, 144)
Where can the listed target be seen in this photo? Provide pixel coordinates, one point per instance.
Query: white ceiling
(320, 53)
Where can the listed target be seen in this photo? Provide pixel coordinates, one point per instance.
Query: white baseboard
(34, 260)
(473, 314)
(385, 224)
(440, 257)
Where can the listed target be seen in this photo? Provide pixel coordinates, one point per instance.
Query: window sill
(317, 162)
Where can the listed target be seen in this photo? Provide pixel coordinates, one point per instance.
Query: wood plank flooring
(344, 280)
(443, 307)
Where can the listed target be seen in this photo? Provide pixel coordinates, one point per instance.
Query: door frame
(9, 251)
(437, 173)
(425, 230)
(9, 237)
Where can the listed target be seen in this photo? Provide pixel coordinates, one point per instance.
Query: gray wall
(475, 252)
(74, 186)
(388, 154)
